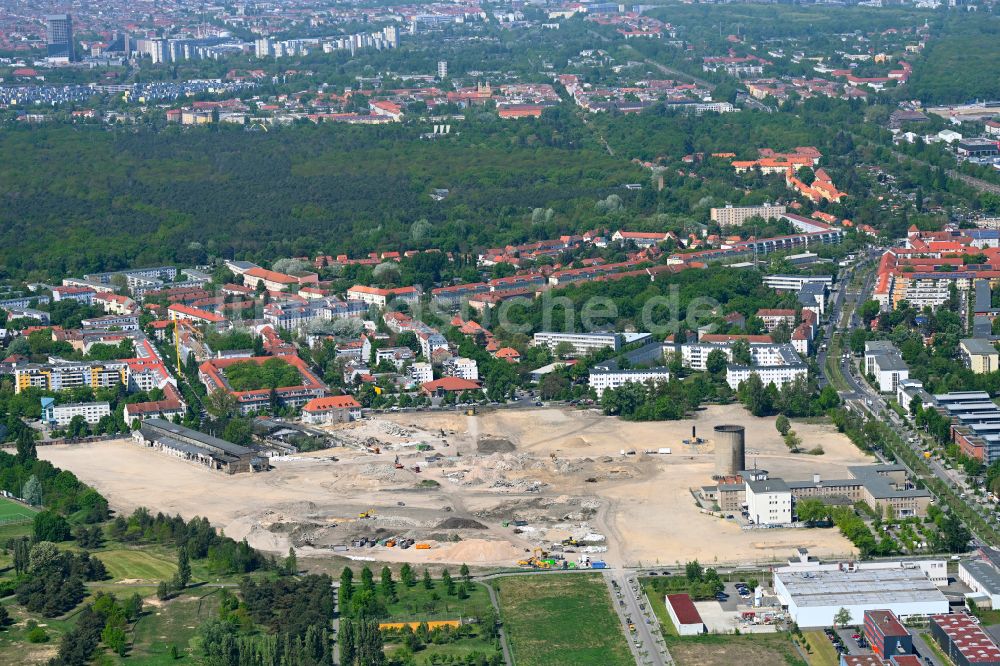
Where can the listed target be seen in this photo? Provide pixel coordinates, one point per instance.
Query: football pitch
(13, 512)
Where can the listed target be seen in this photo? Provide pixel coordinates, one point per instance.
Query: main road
(865, 397)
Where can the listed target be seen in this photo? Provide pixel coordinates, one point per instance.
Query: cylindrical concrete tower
(730, 450)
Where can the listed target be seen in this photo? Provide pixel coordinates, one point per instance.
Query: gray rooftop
(978, 346)
(880, 346)
(768, 486)
(862, 587)
(985, 573)
(161, 428)
(890, 362)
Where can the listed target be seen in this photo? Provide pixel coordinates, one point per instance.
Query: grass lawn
(727, 649)
(659, 606)
(457, 650)
(174, 622)
(11, 511)
(562, 620)
(419, 604)
(14, 646)
(141, 565)
(823, 652)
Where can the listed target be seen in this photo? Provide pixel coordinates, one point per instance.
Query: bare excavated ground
(559, 473)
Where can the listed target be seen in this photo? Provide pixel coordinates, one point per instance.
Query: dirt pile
(488, 445)
(456, 523)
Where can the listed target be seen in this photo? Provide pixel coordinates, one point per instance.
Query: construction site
(545, 487)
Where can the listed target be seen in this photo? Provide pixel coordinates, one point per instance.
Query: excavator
(397, 464)
(536, 561)
(370, 513)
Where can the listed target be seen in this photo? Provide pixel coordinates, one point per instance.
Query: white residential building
(463, 368)
(61, 415)
(774, 364)
(737, 215)
(585, 343)
(421, 373)
(602, 379)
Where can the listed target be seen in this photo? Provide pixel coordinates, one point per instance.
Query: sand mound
(577, 442)
(474, 551)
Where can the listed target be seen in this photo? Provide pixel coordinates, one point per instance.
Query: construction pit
(490, 490)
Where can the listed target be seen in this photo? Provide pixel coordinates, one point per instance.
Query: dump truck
(598, 564)
(423, 546)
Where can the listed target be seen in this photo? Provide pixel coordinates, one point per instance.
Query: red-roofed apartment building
(274, 281)
(332, 409)
(212, 375)
(380, 297)
(184, 312)
(773, 318)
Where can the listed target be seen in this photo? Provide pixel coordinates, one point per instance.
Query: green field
(13, 512)
(14, 646)
(174, 623)
(141, 565)
(419, 604)
(823, 652)
(727, 649)
(562, 620)
(457, 650)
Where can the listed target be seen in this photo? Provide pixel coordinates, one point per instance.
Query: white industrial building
(982, 578)
(603, 379)
(814, 593)
(686, 618)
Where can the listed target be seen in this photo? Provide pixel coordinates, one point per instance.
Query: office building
(59, 37)
(886, 634)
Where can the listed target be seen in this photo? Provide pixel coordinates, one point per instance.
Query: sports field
(137, 565)
(562, 621)
(14, 512)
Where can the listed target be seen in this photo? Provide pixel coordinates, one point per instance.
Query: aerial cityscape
(605, 334)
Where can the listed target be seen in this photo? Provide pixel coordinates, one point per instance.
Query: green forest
(183, 196)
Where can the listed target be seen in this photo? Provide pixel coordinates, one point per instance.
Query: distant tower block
(730, 450)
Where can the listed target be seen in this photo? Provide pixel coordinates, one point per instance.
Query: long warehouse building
(814, 597)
